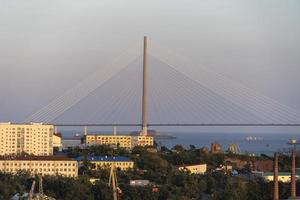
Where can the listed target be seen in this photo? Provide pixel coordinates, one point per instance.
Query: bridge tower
(144, 100)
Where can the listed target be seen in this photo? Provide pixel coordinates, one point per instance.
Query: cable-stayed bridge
(179, 93)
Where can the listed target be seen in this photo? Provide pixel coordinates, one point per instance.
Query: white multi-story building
(44, 165)
(33, 138)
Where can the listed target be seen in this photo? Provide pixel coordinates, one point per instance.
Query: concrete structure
(100, 162)
(44, 165)
(144, 103)
(34, 138)
(125, 141)
(57, 140)
(275, 177)
(293, 175)
(194, 169)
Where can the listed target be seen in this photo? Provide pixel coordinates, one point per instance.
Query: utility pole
(144, 103)
(293, 174)
(275, 177)
(293, 142)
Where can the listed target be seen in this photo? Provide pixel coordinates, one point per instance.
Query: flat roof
(30, 123)
(104, 158)
(103, 134)
(45, 158)
(190, 165)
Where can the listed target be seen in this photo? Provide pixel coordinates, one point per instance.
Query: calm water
(266, 143)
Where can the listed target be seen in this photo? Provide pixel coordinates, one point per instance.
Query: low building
(224, 168)
(100, 162)
(94, 180)
(125, 141)
(194, 169)
(282, 176)
(44, 165)
(139, 182)
(263, 165)
(142, 140)
(236, 163)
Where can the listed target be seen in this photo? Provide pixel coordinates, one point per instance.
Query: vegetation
(159, 168)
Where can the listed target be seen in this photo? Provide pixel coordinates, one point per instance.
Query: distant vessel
(77, 135)
(253, 138)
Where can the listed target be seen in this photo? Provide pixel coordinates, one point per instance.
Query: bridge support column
(144, 103)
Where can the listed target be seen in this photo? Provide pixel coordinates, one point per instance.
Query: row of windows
(43, 170)
(64, 172)
(36, 164)
(117, 164)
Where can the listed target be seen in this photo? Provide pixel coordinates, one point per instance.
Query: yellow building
(100, 162)
(125, 141)
(33, 138)
(45, 165)
(194, 169)
(142, 140)
(121, 140)
(57, 140)
(282, 176)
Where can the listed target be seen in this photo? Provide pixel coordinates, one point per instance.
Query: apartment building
(44, 165)
(125, 141)
(33, 138)
(101, 162)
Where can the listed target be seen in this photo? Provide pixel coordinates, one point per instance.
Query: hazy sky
(47, 46)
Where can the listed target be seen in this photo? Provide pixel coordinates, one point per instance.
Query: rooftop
(45, 158)
(58, 135)
(283, 173)
(105, 158)
(190, 165)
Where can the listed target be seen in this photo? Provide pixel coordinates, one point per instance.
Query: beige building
(33, 138)
(125, 141)
(45, 165)
(100, 162)
(194, 169)
(284, 177)
(57, 140)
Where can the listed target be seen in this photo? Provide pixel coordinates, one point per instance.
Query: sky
(46, 47)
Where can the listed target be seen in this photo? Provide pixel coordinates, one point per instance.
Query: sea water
(258, 143)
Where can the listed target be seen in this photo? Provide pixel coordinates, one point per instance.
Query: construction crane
(40, 195)
(30, 196)
(113, 182)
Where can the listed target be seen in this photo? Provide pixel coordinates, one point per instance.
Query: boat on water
(253, 138)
